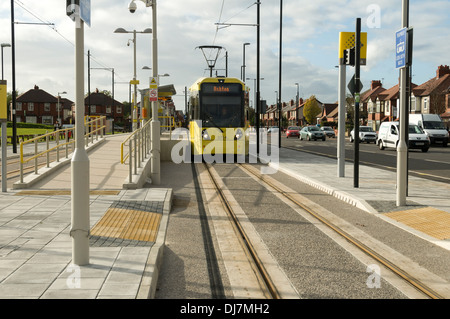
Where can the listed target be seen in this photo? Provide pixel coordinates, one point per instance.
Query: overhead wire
(53, 27)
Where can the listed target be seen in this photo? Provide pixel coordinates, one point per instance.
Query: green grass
(26, 131)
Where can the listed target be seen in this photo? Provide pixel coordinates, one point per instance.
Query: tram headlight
(205, 135)
(238, 134)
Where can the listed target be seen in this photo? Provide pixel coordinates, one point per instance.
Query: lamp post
(243, 62)
(134, 112)
(154, 125)
(4, 45)
(112, 92)
(59, 106)
(297, 104)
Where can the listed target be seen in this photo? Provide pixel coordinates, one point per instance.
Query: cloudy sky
(45, 53)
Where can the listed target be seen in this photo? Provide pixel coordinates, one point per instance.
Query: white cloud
(310, 38)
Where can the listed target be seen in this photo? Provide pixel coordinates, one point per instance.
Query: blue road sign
(400, 48)
(85, 11)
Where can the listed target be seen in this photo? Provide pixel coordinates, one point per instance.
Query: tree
(311, 109)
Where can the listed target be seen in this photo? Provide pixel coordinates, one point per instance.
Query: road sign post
(3, 120)
(357, 100)
(347, 57)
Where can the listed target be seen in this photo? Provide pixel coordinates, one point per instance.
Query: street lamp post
(134, 112)
(154, 125)
(4, 45)
(297, 104)
(112, 92)
(243, 62)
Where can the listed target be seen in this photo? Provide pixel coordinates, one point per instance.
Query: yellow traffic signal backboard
(347, 41)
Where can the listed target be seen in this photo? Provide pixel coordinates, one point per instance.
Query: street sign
(347, 41)
(400, 48)
(153, 95)
(153, 83)
(353, 87)
(85, 11)
(79, 8)
(153, 90)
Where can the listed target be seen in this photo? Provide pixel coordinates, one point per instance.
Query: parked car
(273, 129)
(389, 134)
(293, 131)
(329, 132)
(366, 134)
(312, 133)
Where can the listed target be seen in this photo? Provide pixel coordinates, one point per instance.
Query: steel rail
(398, 271)
(261, 272)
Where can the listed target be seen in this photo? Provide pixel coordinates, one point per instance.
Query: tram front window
(221, 111)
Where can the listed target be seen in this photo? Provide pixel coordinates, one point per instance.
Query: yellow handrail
(122, 158)
(56, 133)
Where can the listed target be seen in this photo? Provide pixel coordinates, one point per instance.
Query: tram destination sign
(221, 88)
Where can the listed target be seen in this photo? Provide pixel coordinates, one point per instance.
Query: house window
(19, 106)
(118, 109)
(108, 109)
(46, 107)
(378, 106)
(31, 107)
(93, 109)
(425, 103)
(47, 119)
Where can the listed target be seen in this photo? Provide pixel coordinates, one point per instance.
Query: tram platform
(129, 226)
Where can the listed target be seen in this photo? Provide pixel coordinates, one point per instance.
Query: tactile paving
(429, 220)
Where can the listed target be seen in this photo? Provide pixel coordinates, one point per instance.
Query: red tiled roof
(433, 85)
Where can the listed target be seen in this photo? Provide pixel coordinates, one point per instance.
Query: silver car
(329, 132)
(312, 133)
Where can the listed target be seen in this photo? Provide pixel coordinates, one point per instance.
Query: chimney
(441, 71)
(36, 87)
(374, 84)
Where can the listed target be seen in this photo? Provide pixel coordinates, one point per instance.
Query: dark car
(312, 133)
(293, 131)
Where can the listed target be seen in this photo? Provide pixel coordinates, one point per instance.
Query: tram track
(270, 289)
(289, 195)
(416, 280)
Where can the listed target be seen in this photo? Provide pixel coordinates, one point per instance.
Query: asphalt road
(434, 164)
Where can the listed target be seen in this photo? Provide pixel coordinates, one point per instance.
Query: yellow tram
(217, 117)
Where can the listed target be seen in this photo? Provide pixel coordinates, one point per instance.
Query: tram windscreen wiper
(211, 120)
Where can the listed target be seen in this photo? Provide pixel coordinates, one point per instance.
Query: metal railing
(92, 128)
(138, 149)
(135, 148)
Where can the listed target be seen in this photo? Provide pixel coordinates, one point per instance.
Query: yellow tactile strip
(429, 220)
(128, 224)
(52, 192)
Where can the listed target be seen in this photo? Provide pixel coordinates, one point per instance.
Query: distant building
(38, 106)
(100, 104)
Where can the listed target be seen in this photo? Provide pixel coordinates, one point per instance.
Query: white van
(388, 136)
(432, 125)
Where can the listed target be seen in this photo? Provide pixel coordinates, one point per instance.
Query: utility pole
(279, 78)
(258, 102)
(357, 99)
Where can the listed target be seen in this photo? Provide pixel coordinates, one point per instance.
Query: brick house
(371, 109)
(100, 104)
(432, 96)
(39, 106)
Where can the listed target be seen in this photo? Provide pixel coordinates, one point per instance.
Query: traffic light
(349, 56)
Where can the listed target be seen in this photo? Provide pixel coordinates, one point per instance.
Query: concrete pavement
(35, 246)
